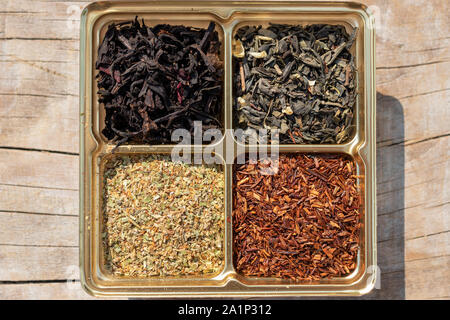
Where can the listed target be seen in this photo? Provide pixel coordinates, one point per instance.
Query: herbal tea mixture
(154, 80)
(162, 218)
(300, 80)
(302, 223)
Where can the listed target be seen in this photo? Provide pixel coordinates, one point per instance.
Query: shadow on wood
(390, 199)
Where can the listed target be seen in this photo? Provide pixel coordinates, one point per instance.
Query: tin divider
(228, 99)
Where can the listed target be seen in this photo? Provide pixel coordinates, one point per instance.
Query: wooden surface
(39, 49)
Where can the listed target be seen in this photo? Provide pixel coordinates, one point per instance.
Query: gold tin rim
(361, 148)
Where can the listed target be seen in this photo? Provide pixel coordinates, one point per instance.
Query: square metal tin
(227, 15)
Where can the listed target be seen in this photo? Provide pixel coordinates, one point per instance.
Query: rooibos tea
(154, 80)
(301, 223)
(300, 80)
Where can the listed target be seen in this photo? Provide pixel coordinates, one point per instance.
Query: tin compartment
(94, 148)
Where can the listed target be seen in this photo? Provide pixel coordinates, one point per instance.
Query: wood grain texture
(66, 290)
(42, 263)
(38, 169)
(431, 278)
(14, 198)
(39, 49)
(38, 230)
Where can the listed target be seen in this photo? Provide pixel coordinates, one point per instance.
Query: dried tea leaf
(305, 71)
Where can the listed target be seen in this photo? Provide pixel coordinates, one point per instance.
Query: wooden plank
(39, 95)
(39, 82)
(49, 20)
(401, 37)
(39, 79)
(431, 246)
(38, 230)
(417, 221)
(43, 200)
(410, 199)
(392, 79)
(31, 263)
(423, 221)
(38, 169)
(43, 291)
(424, 99)
(34, 52)
(428, 278)
(39, 122)
(412, 182)
(410, 59)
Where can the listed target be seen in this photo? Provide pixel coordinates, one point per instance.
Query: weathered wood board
(39, 55)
